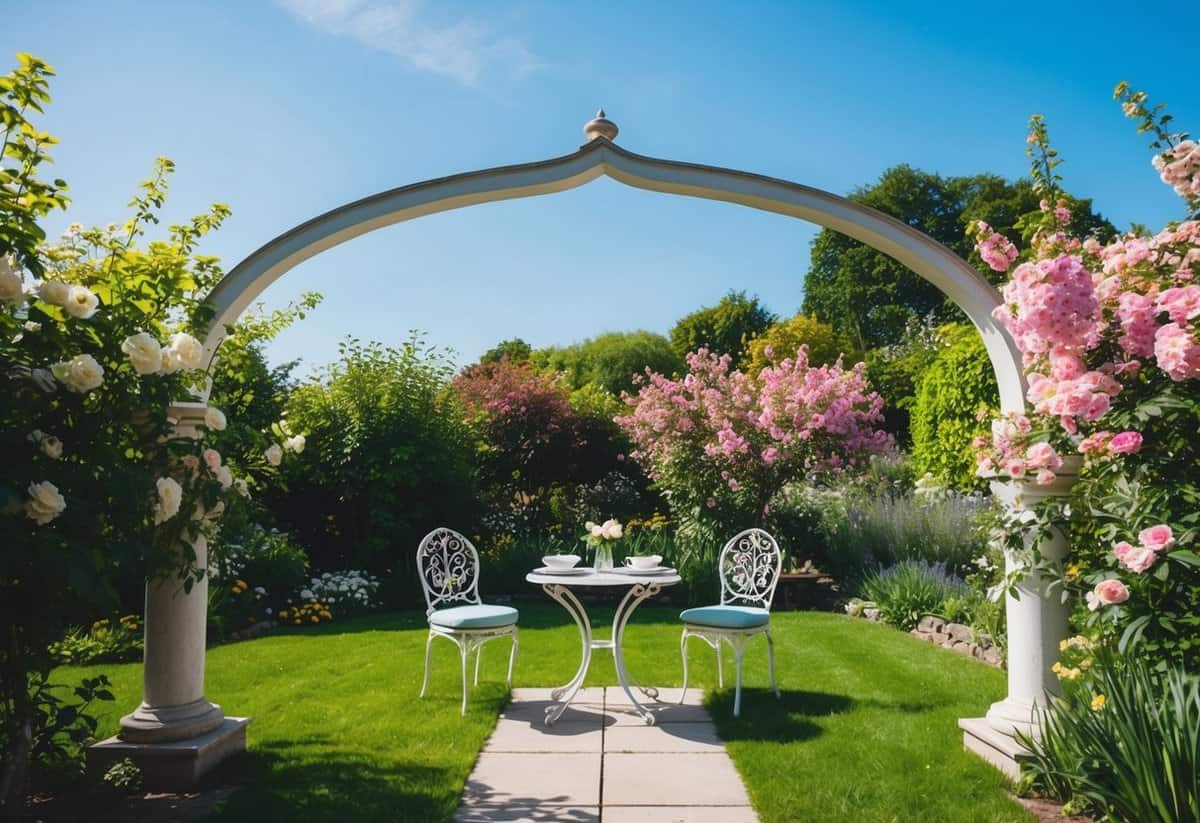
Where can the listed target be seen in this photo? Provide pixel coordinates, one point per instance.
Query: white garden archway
(174, 713)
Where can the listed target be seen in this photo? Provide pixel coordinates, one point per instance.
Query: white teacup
(560, 561)
(642, 562)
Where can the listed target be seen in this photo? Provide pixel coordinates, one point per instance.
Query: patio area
(601, 761)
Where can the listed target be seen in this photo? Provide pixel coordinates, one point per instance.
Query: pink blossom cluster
(1179, 168)
(791, 420)
(1013, 451)
(994, 248)
(1152, 542)
(1104, 445)
(1051, 304)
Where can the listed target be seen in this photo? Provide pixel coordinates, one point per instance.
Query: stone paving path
(601, 762)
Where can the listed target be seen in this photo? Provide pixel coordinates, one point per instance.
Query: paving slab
(527, 814)
(663, 738)
(685, 779)
(679, 814)
(615, 696)
(570, 734)
(534, 780)
(622, 714)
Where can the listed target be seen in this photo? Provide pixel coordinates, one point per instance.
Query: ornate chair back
(750, 565)
(448, 566)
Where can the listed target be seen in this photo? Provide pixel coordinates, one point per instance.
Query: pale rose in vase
(145, 354)
(611, 530)
(54, 292)
(80, 374)
(1107, 593)
(170, 495)
(81, 303)
(44, 503)
(214, 419)
(274, 454)
(1157, 538)
(12, 284)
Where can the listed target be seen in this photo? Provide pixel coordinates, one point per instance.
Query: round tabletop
(592, 577)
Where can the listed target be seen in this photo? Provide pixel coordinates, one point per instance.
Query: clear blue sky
(286, 109)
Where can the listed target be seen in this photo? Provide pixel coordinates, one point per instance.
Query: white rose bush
(100, 333)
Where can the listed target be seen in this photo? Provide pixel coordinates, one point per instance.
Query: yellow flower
(1085, 664)
(1073, 571)
(1063, 645)
(242, 583)
(298, 621)
(1098, 702)
(236, 590)
(1057, 667)
(327, 615)
(315, 619)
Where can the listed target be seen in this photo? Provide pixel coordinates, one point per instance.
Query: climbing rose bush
(1110, 337)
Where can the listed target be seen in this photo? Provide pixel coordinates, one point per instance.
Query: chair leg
(512, 657)
(720, 667)
(737, 692)
(478, 655)
(425, 681)
(683, 653)
(462, 653)
(771, 663)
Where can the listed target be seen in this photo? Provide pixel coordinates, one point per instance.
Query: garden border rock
(960, 638)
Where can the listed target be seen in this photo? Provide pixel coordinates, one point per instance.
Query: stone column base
(999, 749)
(163, 724)
(173, 766)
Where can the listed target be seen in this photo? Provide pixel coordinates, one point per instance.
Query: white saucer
(633, 571)
(574, 570)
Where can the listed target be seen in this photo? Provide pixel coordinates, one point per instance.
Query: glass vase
(604, 557)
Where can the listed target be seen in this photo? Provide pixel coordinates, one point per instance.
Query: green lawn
(865, 730)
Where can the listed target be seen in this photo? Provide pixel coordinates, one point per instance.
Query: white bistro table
(639, 587)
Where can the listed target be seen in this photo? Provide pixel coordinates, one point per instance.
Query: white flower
(32, 326)
(144, 352)
(274, 454)
(597, 530)
(80, 374)
(52, 447)
(611, 530)
(12, 283)
(242, 487)
(44, 503)
(170, 495)
(54, 292)
(214, 419)
(294, 444)
(81, 303)
(184, 352)
(224, 476)
(306, 594)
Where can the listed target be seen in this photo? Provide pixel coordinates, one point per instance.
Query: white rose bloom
(274, 454)
(170, 495)
(44, 503)
(81, 303)
(611, 530)
(224, 476)
(54, 292)
(52, 447)
(214, 419)
(32, 326)
(597, 531)
(170, 363)
(80, 374)
(186, 351)
(144, 352)
(242, 487)
(295, 444)
(12, 283)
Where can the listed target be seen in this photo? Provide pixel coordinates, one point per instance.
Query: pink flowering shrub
(721, 443)
(1110, 336)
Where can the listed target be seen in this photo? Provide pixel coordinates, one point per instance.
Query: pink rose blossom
(1127, 442)
(1157, 538)
(212, 459)
(1177, 352)
(1045, 477)
(1121, 550)
(1139, 559)
(1108, 593)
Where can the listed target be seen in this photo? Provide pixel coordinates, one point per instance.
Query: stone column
(175, 735)
(1037, 621)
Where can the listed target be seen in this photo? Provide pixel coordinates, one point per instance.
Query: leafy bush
(904, 593)
(107, 641)
(956, 392)
(1124, 743)
(390, 458)
(268, 557)
(59, 729)
(824, 344)
(723, 329)
(611, 360)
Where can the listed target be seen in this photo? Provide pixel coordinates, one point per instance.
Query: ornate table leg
(564, 694)
(632, 599)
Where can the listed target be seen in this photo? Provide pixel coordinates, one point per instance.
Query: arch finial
(601, 126)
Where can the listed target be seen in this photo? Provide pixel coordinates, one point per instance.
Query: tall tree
(610, 360)
(725, 328)
(871, 297)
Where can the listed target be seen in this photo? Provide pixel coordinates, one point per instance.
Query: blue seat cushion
(726, 617)
(474, 617)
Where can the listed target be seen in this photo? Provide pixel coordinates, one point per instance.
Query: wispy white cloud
(468, 50)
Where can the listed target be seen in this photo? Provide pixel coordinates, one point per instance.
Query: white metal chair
(448, 566)
(749, 567)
